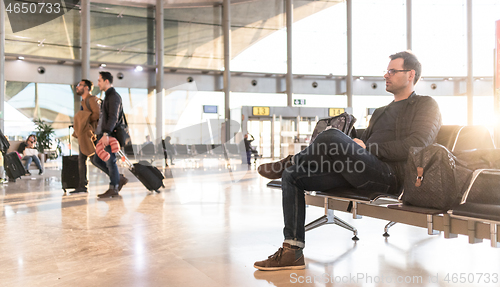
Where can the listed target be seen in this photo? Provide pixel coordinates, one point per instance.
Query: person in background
(248, 147)
(30, 153)
(169, 151)
(90, 104)
(110, 117)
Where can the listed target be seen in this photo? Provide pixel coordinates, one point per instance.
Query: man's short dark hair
(410, 63)
(88, 84)
(106, 76)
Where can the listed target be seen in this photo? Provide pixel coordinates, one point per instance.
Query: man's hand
(360, 142)
(105, 139)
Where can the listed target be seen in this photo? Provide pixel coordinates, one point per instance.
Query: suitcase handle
(70, 146)
(120, 152)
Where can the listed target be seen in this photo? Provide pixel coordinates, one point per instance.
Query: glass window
(53, 103)
(319, 38)
(440, 37)
(361, 104)
(184, 112)
(378, 30)
(193, 38)
(58, 38)
(485, 13)
(121, 34)
(140, 110)
(258, 37)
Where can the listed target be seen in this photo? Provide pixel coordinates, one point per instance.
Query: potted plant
(44, 133)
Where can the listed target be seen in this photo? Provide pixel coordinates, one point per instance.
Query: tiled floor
(206, 228)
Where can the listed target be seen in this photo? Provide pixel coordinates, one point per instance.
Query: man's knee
(291, 176)
(287, 175)
(330, 135)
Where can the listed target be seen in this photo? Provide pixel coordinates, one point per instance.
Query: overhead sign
(299, 102)
(332, 112)
(260, 111)
(210, 109)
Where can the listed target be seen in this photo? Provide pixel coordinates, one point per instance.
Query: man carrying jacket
(111, 116)
(85, 126)
(374, 162)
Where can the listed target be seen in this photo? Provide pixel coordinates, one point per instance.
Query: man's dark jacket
(112, 111)
(417, 125)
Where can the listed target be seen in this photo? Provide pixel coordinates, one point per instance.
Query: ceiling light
(102, 65)
(20, 58)
(138, 69)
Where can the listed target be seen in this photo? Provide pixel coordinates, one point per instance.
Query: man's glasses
(393, 72)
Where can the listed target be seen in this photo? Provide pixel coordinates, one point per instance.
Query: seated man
(27, 149)
(374, 162)
(148, 148)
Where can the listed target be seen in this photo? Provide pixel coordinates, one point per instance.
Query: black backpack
(343, 122)
(434, 178)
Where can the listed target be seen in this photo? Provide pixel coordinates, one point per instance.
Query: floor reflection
(207, 227)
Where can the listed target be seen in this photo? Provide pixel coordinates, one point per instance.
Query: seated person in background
(148, 148)
(375, 162)
(27, 149)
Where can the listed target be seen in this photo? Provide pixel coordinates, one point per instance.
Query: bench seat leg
(430, 226)
(494, 235)
(386, 228)
(447, 227)
(330, 218)
(472, 232)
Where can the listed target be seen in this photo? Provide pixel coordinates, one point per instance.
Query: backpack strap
(87, 104)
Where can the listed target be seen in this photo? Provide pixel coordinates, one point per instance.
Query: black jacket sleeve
(423, 130)
(112, 106)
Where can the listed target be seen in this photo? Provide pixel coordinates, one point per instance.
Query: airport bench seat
(478, 210)
(473, 220)
(480, 205)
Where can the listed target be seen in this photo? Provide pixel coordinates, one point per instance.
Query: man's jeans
(82, 169)
(31, 158)
(109, 167)
(333, 160)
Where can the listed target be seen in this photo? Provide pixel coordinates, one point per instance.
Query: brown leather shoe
(111, 192)
(274, 170)
(122, 182)
(286, 258)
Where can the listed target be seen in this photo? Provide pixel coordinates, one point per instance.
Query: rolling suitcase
(13, 166)
(70, 176)
(149, 175)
